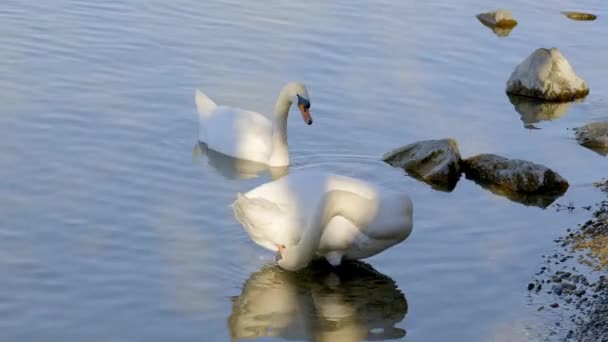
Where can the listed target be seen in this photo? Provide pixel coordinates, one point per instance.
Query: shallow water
(113, 227)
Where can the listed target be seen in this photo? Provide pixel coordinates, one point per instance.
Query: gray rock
(557, 289)
(594, 136)
(579, 292)
(436, 162)
(498, 18)
(547, 75)
(519, 180)
(568, 288)
(500, 21)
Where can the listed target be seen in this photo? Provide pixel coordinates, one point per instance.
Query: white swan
(249, 135)
(309, 214)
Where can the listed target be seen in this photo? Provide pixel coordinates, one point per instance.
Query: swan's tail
(204, 105)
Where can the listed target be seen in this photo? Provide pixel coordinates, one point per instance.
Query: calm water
(114, 228)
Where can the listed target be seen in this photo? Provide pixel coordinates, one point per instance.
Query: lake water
(113, 227)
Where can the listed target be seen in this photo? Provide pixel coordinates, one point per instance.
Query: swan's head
(299, 95)
(289, 259)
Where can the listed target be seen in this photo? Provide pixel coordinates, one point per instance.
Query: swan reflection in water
(353, 302)
(234, 168)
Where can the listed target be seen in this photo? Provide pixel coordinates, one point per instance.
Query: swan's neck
(280, 152)
(353, 207)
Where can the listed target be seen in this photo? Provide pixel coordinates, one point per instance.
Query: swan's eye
(303, 102)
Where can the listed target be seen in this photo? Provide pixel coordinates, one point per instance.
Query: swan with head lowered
(249, 135)
(310, 215)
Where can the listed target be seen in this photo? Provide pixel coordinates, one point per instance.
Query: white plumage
(315, 214)
(249, 135)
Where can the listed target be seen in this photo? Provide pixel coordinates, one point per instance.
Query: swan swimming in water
(309, 215)
(250, 135)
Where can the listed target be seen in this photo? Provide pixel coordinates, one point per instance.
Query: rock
(554, 305)
(567, 288)
(436, 162)
(519, 180)
(579, 292)
(579, 15)
(547, 75)
(533, 111)
(531, 287)
(594, 136)
(498, 18)
(557, 289)
(500, 21)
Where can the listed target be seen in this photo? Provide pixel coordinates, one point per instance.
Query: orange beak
(280, 248)
(305, 114)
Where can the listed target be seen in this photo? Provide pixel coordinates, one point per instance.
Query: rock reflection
(533, 111)
(234, 168)
(529, 199)
(353, 302)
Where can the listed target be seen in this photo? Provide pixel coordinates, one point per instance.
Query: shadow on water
(352, 302)
(533, 111)
(234, 168)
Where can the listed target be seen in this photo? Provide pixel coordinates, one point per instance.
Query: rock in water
(580, 15)
(499, 18)
(436, 162)
(594, 136)
(519, 180)
(547, 75)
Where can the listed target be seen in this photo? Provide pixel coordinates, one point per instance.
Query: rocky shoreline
(581, 287)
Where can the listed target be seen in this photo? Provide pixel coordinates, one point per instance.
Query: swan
(310, 214)
(248, 135)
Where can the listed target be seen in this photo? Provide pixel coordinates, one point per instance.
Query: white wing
(268, 224)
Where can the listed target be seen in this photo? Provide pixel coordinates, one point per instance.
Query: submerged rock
(579, 15)
(436, 162)
(594, 136)
(547, 75)
(500, 21)
(519, 180)
(533, 111)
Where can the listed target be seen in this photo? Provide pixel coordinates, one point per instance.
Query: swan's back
(278, 212)
(238, 133)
